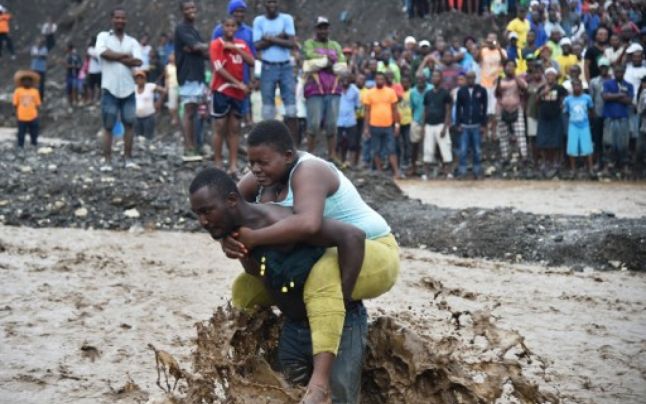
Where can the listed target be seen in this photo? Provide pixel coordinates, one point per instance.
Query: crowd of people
(410, 107)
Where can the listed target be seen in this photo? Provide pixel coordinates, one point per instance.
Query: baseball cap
(603, 62)
(347, 50)
(140, 73)
(534, 3)
(410, 39)
(424, 43)
(513, 35)
(634, 47)
(322, 21)
(551, 70)
(565, 41)
(235, 5)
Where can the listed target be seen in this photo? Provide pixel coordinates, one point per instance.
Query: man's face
(361, 81)
(522, 13)
(491, 40)
(271, 6)
(405, 82)
(119, 20)
(322, 32)
(189, 10)
(471, 79)
(436, 79)
(619, 73)
(230, 27)
(421, 82)
(636, 58)
(239, 14)
(380, 80)
(531, 37)
(602, 35)
(215, 214)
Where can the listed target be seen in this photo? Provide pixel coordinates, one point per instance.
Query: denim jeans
(404, 146)
(27, 126)
(322, 108)
(619, 139)
(5, 38)
(281, 75)
(469, 138)
(295, 354)
(382, 141)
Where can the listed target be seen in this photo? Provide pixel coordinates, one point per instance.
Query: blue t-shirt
(348, 104)
(417, 103)
(244, 33)
(578, 107)
(282, 24)
(541, 35)
(614, 109)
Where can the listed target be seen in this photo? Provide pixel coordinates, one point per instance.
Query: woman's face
(268, 165)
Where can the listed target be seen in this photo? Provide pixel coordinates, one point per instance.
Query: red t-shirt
(232, 62)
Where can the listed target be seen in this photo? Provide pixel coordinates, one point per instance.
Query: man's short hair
(183, 2)
(117, 8)
(216, 180)
(272, 133)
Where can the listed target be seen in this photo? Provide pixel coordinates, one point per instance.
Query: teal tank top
(345, 205)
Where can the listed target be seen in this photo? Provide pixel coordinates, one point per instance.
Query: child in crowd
(348, 137)
(145, 105)
(641, 110)
(579, 108)
(535, 80)
(73, 65)
(26, 100)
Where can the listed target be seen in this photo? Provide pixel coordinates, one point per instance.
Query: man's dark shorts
(113, 108)
(224, 105)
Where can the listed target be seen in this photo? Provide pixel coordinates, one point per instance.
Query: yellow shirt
(520, 27)
(380, 101)
(405, 110)
(565, 62)
(361, 112)
(26, 101)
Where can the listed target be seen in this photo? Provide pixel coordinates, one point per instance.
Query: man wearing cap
(635, 71)
(238, 9)
(596, 92)
(520, 26)
(513, 50)
(423, 50)
(273, 34)
(119, 53)
(410, 44)
(323, 87)
(566, 59)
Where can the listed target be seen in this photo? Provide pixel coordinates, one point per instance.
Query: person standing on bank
(273, 34)
(119, 53)
(322, 86)
(190, 54)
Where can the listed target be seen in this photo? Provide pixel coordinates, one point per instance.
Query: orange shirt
(380, 101)
(4, 23)
(26, 101)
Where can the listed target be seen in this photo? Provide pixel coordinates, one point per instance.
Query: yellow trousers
(322, 293)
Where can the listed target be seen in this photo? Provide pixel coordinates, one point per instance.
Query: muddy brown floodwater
(624, 199)
(79, 307)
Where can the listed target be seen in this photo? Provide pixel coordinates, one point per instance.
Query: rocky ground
(60, 185)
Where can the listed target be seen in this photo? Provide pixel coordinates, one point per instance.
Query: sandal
(316, 395)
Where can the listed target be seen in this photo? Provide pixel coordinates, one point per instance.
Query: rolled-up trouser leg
(324, 297)
(248, 292)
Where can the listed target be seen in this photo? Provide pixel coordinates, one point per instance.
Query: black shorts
(348, 136)
(223, 105)
(94, 80)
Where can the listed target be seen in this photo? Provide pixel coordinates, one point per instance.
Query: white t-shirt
(634, 76)
(94, 67)
(145, 57)
(117, 77)
(145, 100)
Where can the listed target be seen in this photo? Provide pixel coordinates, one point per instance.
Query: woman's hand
(246, 236)
(234, 248)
